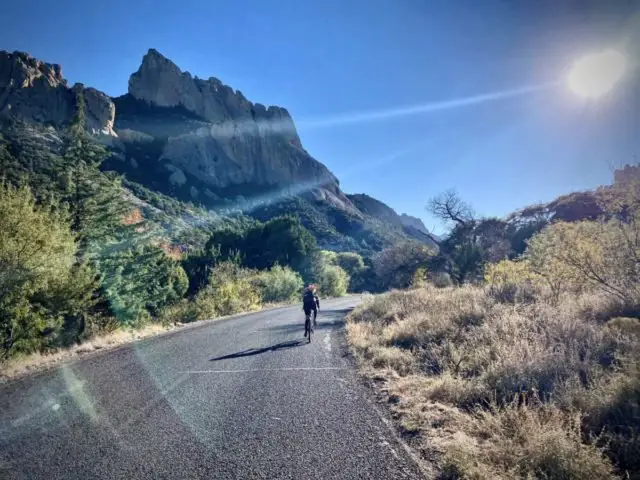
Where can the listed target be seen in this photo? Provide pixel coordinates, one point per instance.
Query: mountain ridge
(201, 141)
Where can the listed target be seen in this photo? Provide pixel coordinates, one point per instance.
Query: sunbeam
(231, 129)
(376, 115)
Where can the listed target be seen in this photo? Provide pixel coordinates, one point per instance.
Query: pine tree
(136, 277)
(95, 199)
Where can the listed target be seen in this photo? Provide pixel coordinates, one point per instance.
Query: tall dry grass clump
(508, 386)
(533, 374)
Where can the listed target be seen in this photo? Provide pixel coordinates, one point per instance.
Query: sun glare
(596, 74)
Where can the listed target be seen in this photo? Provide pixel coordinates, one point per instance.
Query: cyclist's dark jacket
(310, 302)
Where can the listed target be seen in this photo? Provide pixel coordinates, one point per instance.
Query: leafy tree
(333, 281)
(280, 241)
(600, 254)
(39, 283)
(139, 281)
(279, 284)
(360, 275)
(284, 241)
(327, 257)
(395, 266)
(350, 262)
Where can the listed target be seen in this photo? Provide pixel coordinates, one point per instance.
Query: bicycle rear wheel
(307, 327)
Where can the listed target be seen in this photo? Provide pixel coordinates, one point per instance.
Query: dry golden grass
(493, 387)
(173, 317)
(18, 366)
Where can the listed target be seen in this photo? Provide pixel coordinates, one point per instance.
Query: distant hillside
(199, 141)
(587, 205)
(411, 226)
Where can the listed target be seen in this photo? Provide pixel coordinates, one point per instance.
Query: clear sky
(332, 62)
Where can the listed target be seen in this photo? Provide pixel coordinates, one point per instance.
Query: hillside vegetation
(530, 370)
(83, 253)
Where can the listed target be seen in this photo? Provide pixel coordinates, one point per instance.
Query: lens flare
(596, 74)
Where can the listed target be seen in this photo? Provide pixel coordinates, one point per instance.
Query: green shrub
(139, 281)
(184, 311)
(333, 281)
(230, 290)
(278, 284)
(512, 281)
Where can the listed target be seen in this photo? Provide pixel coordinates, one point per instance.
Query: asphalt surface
(239, 398)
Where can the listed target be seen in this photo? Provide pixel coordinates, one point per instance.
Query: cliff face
(35, 91)
(225, 141)
(160, 82)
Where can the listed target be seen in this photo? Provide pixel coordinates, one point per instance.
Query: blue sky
(330, 58)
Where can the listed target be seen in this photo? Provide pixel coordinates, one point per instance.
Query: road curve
(238, 398)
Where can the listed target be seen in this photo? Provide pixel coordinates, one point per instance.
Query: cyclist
(310, 303)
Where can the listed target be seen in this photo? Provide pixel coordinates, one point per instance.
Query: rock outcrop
(36, 92)
(160, 82)
(223, 139)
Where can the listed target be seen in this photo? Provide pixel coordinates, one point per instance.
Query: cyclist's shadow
(257, 351)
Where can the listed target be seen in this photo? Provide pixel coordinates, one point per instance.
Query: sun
(596, 74)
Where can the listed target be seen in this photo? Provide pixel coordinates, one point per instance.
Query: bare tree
(449, 207)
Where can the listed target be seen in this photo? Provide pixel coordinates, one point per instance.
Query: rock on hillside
(160, 82)
(35, 91)
(218, 140)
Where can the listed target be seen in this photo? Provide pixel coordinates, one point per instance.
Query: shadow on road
(258, 351)
(340, 312)
(292, 327)
(327, 319)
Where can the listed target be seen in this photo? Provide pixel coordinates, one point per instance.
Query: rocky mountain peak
(35, 91)
(160, 82)
(21, 70)
(228, 140)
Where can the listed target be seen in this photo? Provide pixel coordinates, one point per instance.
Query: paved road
(240, 398)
